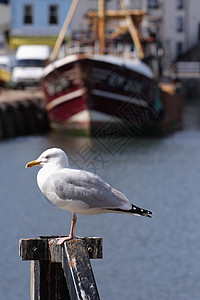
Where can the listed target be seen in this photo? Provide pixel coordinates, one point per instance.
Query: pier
(22, 112)
(61, 271)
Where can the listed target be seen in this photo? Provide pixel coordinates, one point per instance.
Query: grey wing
(89, 188)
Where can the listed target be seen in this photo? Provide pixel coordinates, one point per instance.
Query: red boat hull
(84, 92)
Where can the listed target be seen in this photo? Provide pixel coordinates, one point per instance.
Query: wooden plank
(34, 279)
(48, 281)
(34, 249)
(53, 284)
(39, 248)
(78, 271)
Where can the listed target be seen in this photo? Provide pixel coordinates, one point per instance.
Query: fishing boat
(99, 81)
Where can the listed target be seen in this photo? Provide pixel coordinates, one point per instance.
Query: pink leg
(72, 230)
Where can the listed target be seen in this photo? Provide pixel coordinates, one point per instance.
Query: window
(53, 14)
(153, 4)
(30, 63)
(179, 4)
(179, 48)
(28, 14)
(179, 24)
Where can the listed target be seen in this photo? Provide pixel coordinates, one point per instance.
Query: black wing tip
(134, 210)
(148, 214)
(141, 211)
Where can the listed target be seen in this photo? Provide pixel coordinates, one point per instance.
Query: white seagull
(78, 191)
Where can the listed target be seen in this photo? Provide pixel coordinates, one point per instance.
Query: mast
(132, 30)
(101, 25)
(63, 31)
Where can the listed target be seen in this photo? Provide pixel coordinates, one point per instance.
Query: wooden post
(61, 271)
(101, 25)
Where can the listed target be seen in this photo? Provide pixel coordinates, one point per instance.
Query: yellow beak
(32, 164)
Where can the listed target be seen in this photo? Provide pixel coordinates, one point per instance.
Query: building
(175, 22)
(36, 21)
(178, 23)
(4, 22)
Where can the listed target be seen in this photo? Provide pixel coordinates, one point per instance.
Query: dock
(61, 271)
(22, 112)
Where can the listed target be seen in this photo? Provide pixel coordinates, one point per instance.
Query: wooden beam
(40, 248)
(117, 32)
(63, 31)
(132, 30)
(78, 271)
(101, 25)
(118, 13)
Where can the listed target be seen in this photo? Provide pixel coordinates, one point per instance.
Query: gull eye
(48, 156)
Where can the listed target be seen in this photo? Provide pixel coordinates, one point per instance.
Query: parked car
(29, 63)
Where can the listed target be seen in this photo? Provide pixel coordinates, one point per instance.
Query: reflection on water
(143, 258)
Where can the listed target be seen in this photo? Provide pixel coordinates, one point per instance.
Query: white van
(29, 63)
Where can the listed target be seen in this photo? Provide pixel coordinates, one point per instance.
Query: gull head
(53, 157)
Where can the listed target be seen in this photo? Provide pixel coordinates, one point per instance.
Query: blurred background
(117, 89)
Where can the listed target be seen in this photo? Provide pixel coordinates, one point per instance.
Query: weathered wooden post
(61, 271)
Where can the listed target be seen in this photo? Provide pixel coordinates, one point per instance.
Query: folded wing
(88, 188)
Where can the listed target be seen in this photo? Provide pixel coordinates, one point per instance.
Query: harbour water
(144, 258)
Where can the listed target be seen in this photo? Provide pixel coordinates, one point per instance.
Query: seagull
(78, 191)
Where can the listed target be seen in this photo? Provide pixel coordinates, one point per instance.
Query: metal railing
(188, 69)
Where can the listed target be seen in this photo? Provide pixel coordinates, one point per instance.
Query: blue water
(144, 258)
